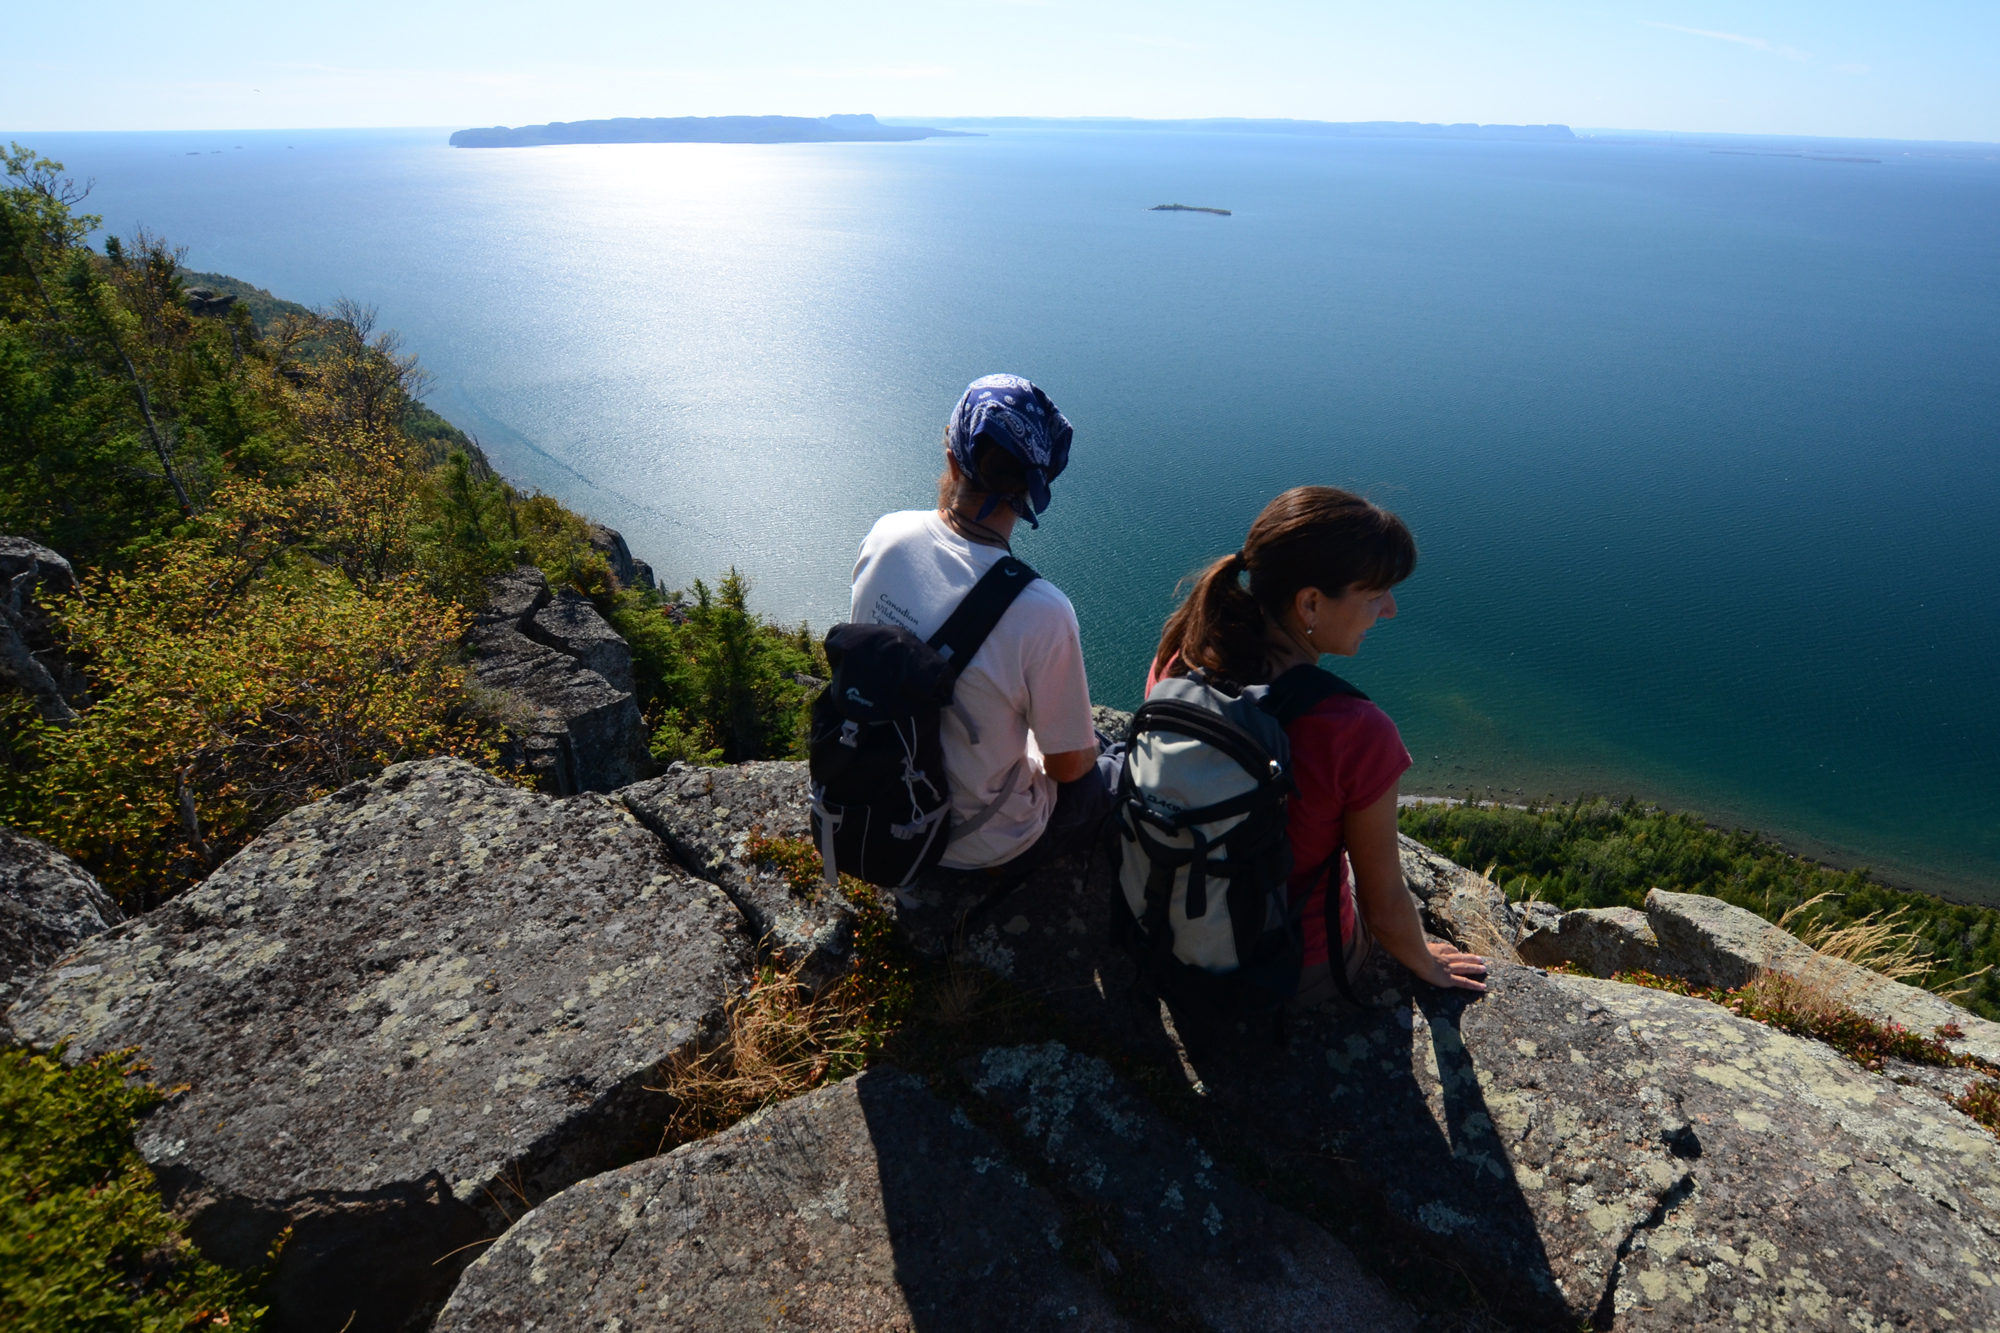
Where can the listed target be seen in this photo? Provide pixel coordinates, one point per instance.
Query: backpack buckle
(850, 735)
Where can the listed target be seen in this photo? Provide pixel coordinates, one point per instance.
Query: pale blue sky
(1913, 70)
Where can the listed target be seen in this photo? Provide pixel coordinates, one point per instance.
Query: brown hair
(995, 471)
(1309, 537)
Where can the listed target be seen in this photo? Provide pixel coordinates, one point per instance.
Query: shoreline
(1888, 874)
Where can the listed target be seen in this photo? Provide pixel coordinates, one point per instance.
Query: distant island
(702, 129)
(1187, 208)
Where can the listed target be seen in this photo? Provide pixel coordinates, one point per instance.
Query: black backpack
(1201, 817)
(881, 807)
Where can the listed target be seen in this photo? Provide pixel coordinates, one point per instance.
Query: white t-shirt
(1021, 696)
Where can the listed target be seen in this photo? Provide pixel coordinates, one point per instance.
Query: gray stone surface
(1176, 1218)
(708, 816)
(48, 905)
(1716, 943)
(31, 660)
(610, 543)
(1591, 1152)
(571, 625)
(402, 1014)
(571, 729)
(1468, 909)
(1603, 941)
(865, 1205)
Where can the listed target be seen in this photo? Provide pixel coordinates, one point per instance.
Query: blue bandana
(1018, 417)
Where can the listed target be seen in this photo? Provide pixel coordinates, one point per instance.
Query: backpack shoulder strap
(1298, 691)
(967, 627)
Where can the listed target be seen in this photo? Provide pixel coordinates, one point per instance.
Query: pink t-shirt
(1346, 754)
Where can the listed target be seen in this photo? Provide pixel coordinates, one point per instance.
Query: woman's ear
(1306, 604)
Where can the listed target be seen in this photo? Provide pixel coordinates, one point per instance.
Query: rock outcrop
(402, 1015)
(1595, 1153)
(1603, 941)
(865, 1205)
(31, 661)
(1713, 943)
(630, 573)
(562, 681)
(48, 905)
(709, 817)
(1206, 1244)
(873, 1204)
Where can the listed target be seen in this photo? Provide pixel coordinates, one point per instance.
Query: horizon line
(1005, 121)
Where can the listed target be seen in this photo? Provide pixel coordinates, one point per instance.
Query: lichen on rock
(710, 817)
(868, 1204)
(402, 1015)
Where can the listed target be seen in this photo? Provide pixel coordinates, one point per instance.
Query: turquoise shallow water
(1700, 448)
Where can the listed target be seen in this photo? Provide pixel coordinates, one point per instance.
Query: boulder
(869, 1204)
(48, 905)
(1206, 1244)
(31, 660)
(1603, 941)
(610, 543)
(708, 816)
(571, 625)
(1468, 909)
(1715, 943)
(404, 1014)
(572, 729)
(1594, 1153)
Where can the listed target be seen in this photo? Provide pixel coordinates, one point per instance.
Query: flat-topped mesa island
(702, 129)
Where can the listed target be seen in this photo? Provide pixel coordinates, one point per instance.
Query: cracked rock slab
(866, 1205)
(1208, 1244)
(708, 817)
(48, 905)
(1592, 1152)
(401, 1014)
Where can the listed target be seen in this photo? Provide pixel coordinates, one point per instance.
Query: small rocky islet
(421, 1022)
(1188, 208)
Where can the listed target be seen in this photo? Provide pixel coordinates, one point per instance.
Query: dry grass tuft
(781, 1041)
(1882, 942)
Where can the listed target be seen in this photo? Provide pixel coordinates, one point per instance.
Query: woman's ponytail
(1218, 628)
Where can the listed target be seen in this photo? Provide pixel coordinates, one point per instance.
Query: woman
(1321, 565)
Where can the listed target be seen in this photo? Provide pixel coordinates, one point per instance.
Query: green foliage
(718, 683)
(84, 1242)
(1597, 853)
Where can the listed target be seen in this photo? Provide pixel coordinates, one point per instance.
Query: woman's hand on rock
(1453, 969)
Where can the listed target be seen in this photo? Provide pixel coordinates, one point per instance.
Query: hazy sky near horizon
(1918, 71)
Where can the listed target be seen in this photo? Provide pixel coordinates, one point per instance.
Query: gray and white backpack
(1205, 860)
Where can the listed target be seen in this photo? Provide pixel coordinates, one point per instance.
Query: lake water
(1701, 449)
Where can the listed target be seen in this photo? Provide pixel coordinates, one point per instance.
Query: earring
(1311, 625)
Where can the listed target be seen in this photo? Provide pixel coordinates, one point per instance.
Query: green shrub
(718, 683)
(84, 1242)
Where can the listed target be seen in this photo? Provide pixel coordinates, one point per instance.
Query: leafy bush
(219, 710)
(1597, 853)
(84, 1243)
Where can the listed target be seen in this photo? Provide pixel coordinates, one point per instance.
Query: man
(1027, 778)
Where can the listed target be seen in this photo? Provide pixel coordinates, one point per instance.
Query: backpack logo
(854, 697)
